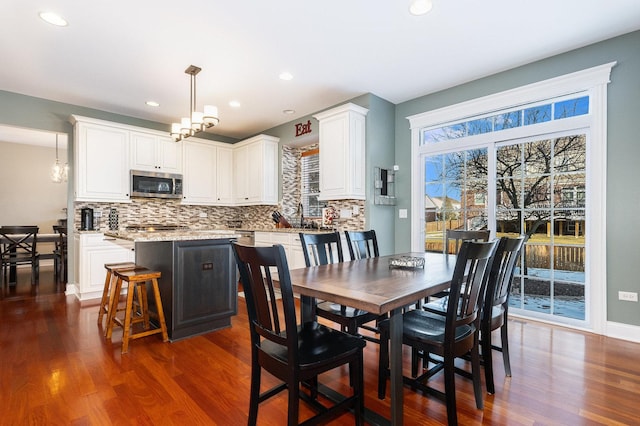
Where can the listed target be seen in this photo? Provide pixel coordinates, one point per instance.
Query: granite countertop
(290, 230)
(177, 235)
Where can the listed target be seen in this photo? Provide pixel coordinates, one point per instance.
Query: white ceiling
(117, 54)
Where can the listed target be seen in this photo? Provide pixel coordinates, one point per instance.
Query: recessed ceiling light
(420, 7)
(234, 104)
(152, 103)
(53, 18)
(286, 76)
(288, 111)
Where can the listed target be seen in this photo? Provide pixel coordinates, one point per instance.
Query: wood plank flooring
(56, 368)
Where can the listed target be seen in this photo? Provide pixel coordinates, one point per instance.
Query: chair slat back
(362, 244)
(270, 318)
(470, 277)
(19, 240)
(502, 270)
(460, 235)
(321, 249)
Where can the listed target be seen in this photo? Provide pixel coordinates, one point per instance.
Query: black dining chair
(495, 307)
(450, 336)
(60, 254)
(322, 249)
(457, 236)
(19, 247)
(362, 244)
(294, 353)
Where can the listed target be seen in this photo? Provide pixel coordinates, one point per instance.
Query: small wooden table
(371, 285)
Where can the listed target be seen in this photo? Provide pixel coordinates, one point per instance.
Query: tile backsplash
(161, 211)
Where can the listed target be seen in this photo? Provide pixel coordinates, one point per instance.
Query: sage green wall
(623, 151)
(379, 152)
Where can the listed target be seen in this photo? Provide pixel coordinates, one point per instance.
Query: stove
(151, 227)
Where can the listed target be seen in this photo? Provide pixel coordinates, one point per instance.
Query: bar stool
(108, 296)
(136, 280)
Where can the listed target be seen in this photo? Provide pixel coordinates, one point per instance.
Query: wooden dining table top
(371, 285)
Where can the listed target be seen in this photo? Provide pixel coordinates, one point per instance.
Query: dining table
(42, 238)
(379, 286)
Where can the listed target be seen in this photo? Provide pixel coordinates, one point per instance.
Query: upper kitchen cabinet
(155, 153)
(342, 152)
(224, 175)
(101, 161)
(255, 171)
(199, 177)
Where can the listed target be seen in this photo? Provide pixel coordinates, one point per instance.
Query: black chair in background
(495, 306)
(19, 247)
(362, 244)
(293, 353)
(60, 254)
(322, 249)
(457, 236)
(450, 336)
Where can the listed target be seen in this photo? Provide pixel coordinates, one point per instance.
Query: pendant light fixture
(197, 121)
(57, 170)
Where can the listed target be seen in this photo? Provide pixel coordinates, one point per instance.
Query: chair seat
(317, 344)
(344, 311)
(19, 258)
(427, 327)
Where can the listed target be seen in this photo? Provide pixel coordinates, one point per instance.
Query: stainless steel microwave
(155, 184)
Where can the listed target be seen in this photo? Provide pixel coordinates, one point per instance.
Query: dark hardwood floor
(56, 368)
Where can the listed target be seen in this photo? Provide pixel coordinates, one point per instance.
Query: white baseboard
(623, 331)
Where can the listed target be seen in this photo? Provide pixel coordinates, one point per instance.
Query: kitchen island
(198, 286)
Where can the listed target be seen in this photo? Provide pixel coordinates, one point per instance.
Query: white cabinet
(152, 152)
(199, 176)
(92, 252)
(289, 240)
(255, 168)
(342, 152)
(101, 161)
(224, 176)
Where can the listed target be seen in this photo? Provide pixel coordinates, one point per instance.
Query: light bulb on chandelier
(197, 121)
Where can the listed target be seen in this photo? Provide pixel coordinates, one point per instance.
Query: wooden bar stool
(136, 280)
(108, 295)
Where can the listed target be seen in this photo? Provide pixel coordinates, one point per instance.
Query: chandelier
(197, 121)
(59, 173)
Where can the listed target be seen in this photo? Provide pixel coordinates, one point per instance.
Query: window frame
(592, 81)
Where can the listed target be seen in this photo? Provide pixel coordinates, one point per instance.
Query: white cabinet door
(240, 175)
(101, 163)
(170, 155)
(199, 178)
(94, 250)
(256, 171)
(155, 153)
(224, 176)
(342, 152)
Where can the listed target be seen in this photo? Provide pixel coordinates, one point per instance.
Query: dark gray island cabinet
(198, 284)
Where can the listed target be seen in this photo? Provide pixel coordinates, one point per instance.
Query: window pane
(538, 114)
(508, 120)
(310, 185)
(571, 108)
(479, 126)
(433, 136)
(570, 153)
